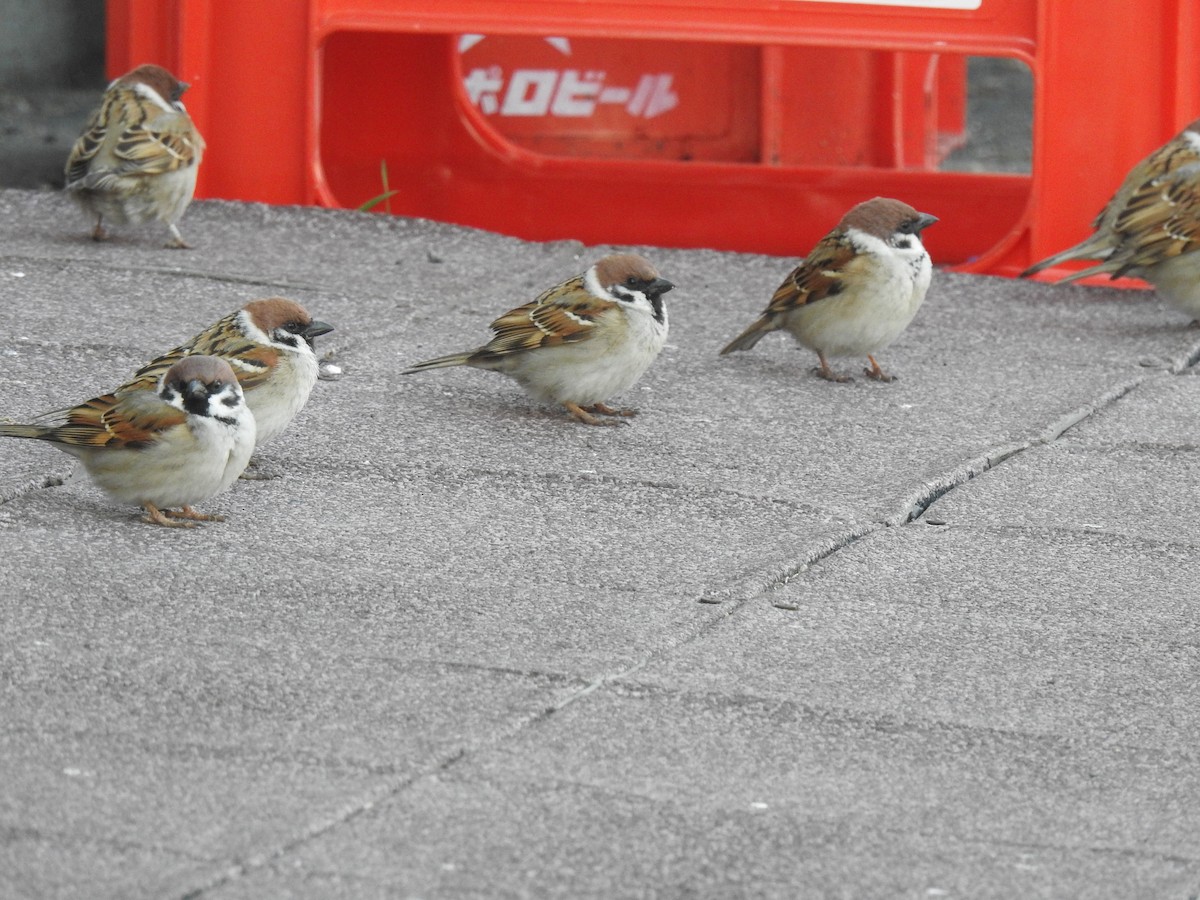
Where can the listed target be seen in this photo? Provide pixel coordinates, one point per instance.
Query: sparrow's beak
(658, 287)
(925, 221)
(196, 388)
(315, 328)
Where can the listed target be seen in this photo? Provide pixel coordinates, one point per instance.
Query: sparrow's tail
(24, 431)
(1095, 247)
(442, 362)
(751, 336)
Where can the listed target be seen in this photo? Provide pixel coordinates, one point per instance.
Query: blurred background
(51, 74)
(52, 71)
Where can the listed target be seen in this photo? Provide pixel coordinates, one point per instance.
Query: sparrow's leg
(154, 516)
(177, 242)
(98, 233)
(257, 470)
(605, 410)
(195, 515)
(823, 371)
(877, 373)
(584, 416)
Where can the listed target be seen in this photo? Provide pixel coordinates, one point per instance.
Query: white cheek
(148, 93)
(252, 331)
(592, 283)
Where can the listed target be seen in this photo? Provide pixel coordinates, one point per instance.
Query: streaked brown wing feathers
(819, 276)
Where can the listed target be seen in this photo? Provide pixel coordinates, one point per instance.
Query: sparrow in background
(269, 344)
(138, 155)
(580, 342)
(856, 291)
(182, 445)
(1151, 227)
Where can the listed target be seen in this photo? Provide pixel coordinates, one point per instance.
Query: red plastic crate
(770, 117)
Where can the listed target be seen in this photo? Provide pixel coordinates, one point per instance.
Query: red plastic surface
(776, 117)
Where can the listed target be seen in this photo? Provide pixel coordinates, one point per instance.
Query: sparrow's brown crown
(167, 85)
(883, 217)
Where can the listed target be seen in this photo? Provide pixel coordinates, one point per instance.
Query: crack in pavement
(728, 602)
(918, 503)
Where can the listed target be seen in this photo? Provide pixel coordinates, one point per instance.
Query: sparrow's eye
(632, 281)
(294, 327)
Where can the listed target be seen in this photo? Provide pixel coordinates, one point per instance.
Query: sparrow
(138, 155)
(856, 291)
(182, 444)
(580, 342)
(1150, 228)
(269, 344)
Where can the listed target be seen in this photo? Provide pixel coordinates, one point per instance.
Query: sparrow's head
(157, 79)
(282, 323)
(892, 221)
(629, 279)
(202, 386)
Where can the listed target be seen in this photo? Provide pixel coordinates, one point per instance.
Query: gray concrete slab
(462, 646)
(819, 803)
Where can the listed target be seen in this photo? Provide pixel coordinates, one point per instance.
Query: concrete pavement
(773, 638)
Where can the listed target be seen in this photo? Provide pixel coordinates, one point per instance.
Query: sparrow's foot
(257, 471)
(98, 233)
(605, 410)
(877, 374)
(177, 242)
(189, 512)
(155, 516)
(824, 371)
(1195, 323)
(584, 416)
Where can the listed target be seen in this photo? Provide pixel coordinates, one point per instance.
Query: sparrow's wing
(84, 150)
(113, 421)
(163, 144)
(568, 291)
(821, 275)
(1142, 183)
(565, 319)
(1161, 219)
(251, 362)
(128, 136)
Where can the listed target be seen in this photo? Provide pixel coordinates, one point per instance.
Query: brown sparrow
(856, 291)
(138, 155)
(581, 341)
(182, 445)
(269, 344)
(1151, 227)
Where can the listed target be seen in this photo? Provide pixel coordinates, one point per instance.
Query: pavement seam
(63, 262)
(441, 763)
(915, 507)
